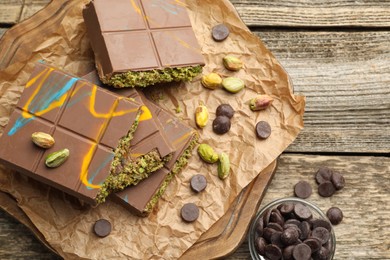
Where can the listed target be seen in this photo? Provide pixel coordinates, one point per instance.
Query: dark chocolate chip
(267, 233)
(320, 223)
(198, 183)
(287, 252)
(276, 239)
(304, 226)
(286, 208)
(276, 217)
(323, 174)
(189, 212)
(260, 226)
(221, 125)
(302, 252)
(326, 189)
(289, 236)
(266, 215)
(102, 228)
(263, 130)
(273, 252)
(335, 215)
(260, 245)
(275, 226)
(302, 212)
(302, 190)
(338, 180)
(292, 221)
(321, 234)
(321, 254)
(225, 110)
(313, 243)
(220, 32)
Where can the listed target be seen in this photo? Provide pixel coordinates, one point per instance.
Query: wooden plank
(10, 11)
(31, 9)
(365, 231)
(307, 13)
(345, 77)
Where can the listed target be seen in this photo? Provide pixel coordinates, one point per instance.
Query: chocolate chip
(335, 215)
(338, 180)
(267, 233)
(260, 245)
(302, 212)
(326, 189)
(304, 226)
(276, 217)
(263, 130)
(323, 174)
(273, 252)
(313, 243)
(189, 212)
(276, 239)
(321, 234)
(275, 226)
(267, 214)
(302, 189)
(286, 208)
(321, 254)
(292, 221)
(221, 125)
(198, 183)
(220, 32)
(260, 226)
(289, 236)
(302, 252)
(225, 110)
(320, 223)
(102, 228)
(287, 252)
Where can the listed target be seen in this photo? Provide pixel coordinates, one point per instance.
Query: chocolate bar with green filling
(139, 43)
(95, 125)
(142, 198)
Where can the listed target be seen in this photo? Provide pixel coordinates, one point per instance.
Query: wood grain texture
(345, 77)
(307, 13)
(364, 232)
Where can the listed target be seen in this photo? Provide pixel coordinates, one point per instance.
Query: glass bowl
(269, 238)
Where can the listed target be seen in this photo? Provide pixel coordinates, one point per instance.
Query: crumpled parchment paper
(67, 224)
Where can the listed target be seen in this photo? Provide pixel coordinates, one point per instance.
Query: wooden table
(337, 53)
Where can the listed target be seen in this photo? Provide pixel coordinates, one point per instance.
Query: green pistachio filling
(127, 171)
(180, 163)
(151, 77)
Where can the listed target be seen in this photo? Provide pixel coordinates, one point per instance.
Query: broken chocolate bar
(142, 198)
(95, 125)
(138, 43)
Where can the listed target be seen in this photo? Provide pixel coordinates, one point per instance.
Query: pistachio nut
(57, 158)
(201, 116)
(207, 153)
(232, 63)
(223, 166)
(42, 139)
(260, 102)
(233, 85)
(212, 81)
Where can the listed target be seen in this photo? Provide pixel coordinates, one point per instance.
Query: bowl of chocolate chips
(291, 228)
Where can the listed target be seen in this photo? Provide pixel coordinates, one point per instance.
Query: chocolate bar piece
(95, 125)
(149, 145)
(141, 42)
(142, 198)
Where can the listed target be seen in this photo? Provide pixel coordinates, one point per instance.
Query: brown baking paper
(66, 224)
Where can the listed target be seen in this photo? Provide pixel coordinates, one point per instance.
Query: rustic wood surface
(337, 53)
